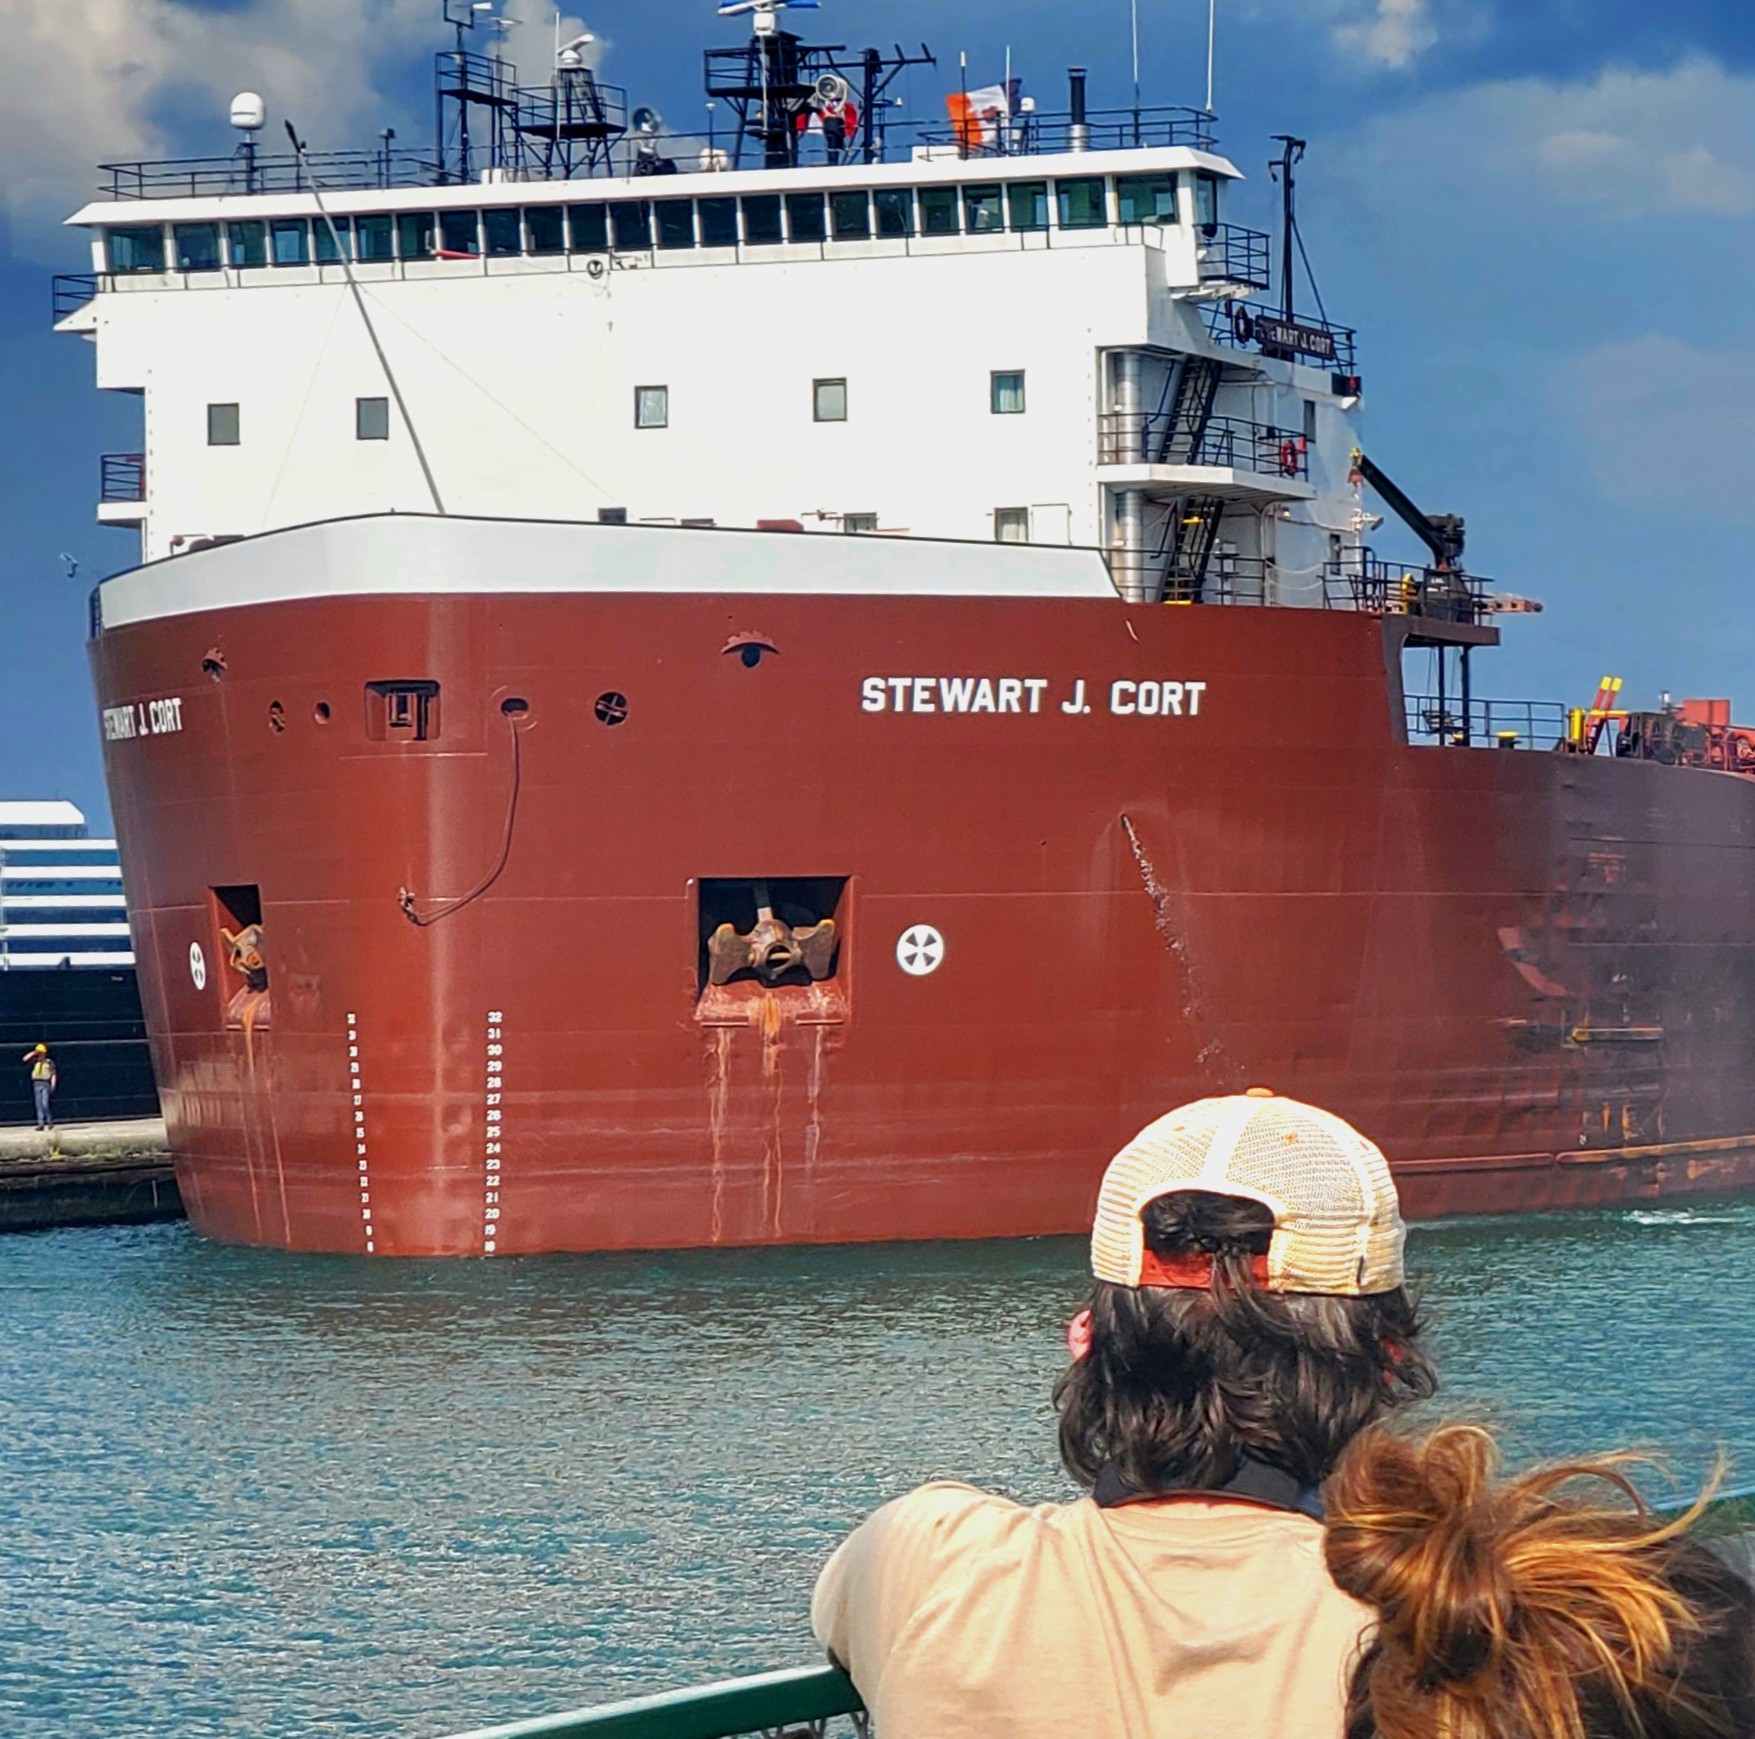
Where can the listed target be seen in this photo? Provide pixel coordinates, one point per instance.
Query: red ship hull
(1531, 977)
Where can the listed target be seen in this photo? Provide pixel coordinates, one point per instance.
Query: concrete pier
(89, 1174)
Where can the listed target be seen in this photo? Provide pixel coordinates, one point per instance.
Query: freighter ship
(800, 685)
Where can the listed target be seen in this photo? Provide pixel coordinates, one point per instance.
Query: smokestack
(1079, 135)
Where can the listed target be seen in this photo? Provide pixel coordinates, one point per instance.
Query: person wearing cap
(1249, 1319)
(43, 1082)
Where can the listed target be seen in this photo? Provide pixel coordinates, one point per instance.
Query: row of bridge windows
(665, 225)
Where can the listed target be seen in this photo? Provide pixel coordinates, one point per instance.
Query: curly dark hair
(1180, 1386)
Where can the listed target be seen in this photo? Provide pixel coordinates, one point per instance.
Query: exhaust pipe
(1079, 134)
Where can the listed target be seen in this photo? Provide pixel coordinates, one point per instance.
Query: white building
(61, 900)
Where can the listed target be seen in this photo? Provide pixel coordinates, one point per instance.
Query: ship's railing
(122, 477)
(262, 172)
(1505, 724)
(1230, 254)
(1362, 580)
(72, 290)
(1047, 135)
(818, 1702)
(1228, 443)
(1255, 326)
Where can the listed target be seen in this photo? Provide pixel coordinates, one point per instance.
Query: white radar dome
(249, 112)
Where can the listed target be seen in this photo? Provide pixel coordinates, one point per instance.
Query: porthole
(320, 712)
(276, 716)
(515, 706)
(611, 708)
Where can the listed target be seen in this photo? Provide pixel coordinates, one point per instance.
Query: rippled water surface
(251, 1494)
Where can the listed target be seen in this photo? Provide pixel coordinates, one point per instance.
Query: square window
(1008, 393)
(547, 225)
(414, 235)
(334, 240)
(761, 220)
(503, 230)
(676, 223)
(247, 244)
(1309, 422)
(460, 233)
(139, 248)
(371, 419)
(1206, 200)
(376, 237)
(1028, 202)
(984, 209)
(1084, 204)
(804, 217)
(290, 238)
(631, 222)
(1011, 525)
(1149, 199)
(222, 425)
(590, 226)
(718, 223)
(859, 524)
(831, 401)
(851, 212)
(895, 211)
(197, 246)
(938, 211)
(651, 407)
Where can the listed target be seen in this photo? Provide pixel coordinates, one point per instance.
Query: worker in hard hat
(43, 1082)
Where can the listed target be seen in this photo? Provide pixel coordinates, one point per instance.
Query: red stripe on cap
(1189, 1273)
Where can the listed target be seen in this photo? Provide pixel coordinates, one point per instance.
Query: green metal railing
(808, 1702)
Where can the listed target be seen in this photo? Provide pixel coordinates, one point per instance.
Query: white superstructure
(61, 900)
(1024, 341)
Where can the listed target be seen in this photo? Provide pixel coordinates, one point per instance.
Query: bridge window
(376, 238)
(938, 211)
(414, 235)
(371, 419)
(983, 209)
(1206, 200)
(895, 211)
(676, 223)
(651, 407)
(831, 401)
(547, 226)
(1083, 203)
(718, 222)
(761, 220)
(1008, 393)
(630, 220)
(247, 244)
(197, 246)
(137, 248)
(590, 225)
(1147, 199)
(1029, 204)
(1011, 525)
(460, 232)
(326, 236)
(804, 217)
(851, 211)
(504, 231)
(222, 426)
(291, 237)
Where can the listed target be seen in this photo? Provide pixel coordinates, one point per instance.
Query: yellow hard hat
(40, 1051)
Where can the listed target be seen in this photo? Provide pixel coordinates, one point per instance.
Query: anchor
(774, 950)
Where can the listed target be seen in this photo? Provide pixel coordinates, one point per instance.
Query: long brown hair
(1519, 1609)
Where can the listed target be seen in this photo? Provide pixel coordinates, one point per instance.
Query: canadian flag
(981, 118)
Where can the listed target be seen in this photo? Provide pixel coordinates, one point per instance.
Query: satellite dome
(249, 112)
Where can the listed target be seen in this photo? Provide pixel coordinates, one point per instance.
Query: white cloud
(84, 81)
(1395, 34)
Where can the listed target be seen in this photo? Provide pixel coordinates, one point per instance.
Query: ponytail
(1508, 1610)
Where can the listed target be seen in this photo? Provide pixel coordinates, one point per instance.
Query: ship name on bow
(1127, 697)
(143, 718)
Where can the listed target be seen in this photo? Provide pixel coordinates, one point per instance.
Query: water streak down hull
(1530, 976)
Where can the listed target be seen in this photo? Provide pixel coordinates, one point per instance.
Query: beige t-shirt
(961, 1615)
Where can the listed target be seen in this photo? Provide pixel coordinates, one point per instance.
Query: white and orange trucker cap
(1337, 1222)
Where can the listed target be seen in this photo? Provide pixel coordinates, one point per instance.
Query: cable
(405, 897)
(342, 254)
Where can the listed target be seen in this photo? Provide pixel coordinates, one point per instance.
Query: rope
(406, 897)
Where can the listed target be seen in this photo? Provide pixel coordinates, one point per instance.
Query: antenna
(359, 302)
(1281, 169)
(249, 116)
(1212, 41)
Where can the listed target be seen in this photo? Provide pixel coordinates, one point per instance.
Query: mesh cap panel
(1337, 1224)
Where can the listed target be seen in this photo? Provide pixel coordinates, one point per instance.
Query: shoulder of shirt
(945, 1508)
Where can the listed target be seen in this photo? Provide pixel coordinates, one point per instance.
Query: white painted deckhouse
(1015, 327)
(61, 900)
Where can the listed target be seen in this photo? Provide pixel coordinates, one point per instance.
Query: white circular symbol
(197, 966)
(920, 951)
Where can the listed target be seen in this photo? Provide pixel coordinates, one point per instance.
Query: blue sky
(1539, 213)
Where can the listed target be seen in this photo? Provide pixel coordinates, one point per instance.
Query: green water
(251, 1494)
